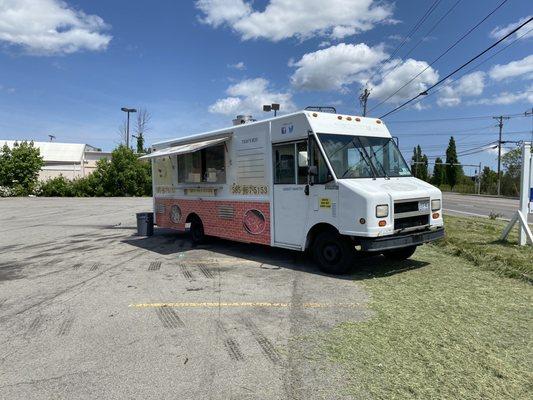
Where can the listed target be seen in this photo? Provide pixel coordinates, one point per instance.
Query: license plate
(423, 206)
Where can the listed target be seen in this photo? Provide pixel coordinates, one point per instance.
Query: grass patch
(477, 240)
(442, 329)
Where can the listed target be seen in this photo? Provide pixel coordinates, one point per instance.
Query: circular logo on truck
(175, 214)
(254, 221)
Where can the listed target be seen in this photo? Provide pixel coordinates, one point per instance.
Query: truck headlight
(382, 211)
(435, 205)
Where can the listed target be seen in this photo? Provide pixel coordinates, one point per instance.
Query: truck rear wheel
(400, 254)
(334, 253)
(197, 231)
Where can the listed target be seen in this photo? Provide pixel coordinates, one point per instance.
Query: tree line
(449, 174)
(123, 175)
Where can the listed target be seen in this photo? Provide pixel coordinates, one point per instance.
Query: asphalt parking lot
(89, 310)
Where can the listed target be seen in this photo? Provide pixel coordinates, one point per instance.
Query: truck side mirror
(312, 170)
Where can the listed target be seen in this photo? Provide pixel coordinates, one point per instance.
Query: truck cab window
(284, 165)
(316, 157)
(301, 149)
(206, 165)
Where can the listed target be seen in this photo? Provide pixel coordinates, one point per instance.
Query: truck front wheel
(400, 254)
(334, 253)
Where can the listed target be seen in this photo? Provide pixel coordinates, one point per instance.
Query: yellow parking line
(241, 304)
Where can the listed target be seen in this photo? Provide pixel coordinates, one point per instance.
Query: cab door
(323, 192)
(289, 162)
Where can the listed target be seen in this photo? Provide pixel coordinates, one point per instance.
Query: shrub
(56, 187)
(6, 191)
(19, 168)
(124, 175)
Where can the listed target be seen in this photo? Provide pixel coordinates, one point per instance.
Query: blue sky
(66, 68)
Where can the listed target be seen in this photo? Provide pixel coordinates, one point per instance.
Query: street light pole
(271, 107)
(128, 111)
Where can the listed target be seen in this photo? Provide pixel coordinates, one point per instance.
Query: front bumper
(401, 240)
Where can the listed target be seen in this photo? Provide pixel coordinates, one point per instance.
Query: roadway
(479, 206)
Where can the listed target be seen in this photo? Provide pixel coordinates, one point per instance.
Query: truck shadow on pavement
(168, 242)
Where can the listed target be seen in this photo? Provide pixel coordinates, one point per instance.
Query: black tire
(197, 231)
(333, 253)
(400, 254)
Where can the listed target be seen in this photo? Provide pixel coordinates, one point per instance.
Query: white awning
(185, 148)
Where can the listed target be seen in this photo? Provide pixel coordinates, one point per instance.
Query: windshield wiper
(368, 161)
(377, 161)
(363, 157)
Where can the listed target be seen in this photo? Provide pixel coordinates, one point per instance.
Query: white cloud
(396, 37)
(335, 67)
(394, 77)
(469, 85)
(282, 19)
(500, 31)
(504, 98)
(240, 66)
(50, 27)
(218, 12)
(249, 96)
(513, 69)
(9, 90)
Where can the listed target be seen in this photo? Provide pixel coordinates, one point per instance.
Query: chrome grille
(411, 214)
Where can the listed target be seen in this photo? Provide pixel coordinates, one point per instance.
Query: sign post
(526, 199)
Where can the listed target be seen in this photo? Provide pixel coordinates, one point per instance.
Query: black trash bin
(145, 224)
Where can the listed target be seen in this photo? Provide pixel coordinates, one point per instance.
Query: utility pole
(500, 124)
(416, 162)
(525, 115)
(363, 98)
(479, 179)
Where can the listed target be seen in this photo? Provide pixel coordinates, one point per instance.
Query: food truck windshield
(363, 156)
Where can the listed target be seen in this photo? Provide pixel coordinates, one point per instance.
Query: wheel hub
(331, 252)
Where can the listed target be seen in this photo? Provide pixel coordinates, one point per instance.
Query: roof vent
(243, 119)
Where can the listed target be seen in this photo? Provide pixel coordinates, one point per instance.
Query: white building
(72, 160)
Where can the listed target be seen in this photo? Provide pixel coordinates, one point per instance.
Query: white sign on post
(526, 199)
(531, 197)
(530, 186)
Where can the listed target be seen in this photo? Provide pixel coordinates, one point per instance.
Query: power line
(459, 153)
(422, 39)
(442, 54)
(467, 146)
(479, 64)
(459, 133)
(451, 119)
(425, 131)
(471, 153)
(459, 68)
(413, 29)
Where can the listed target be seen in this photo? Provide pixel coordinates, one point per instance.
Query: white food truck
(329, 183)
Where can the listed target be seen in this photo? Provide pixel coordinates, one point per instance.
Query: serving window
(206, 165)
